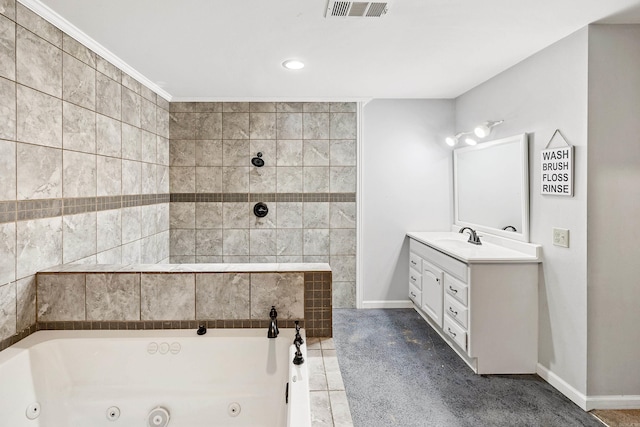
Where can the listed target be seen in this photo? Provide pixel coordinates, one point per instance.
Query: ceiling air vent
(360, 9)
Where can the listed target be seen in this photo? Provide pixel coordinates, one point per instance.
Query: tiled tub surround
(156, 296)
(85, 173)
(84, 163)
(308, 182)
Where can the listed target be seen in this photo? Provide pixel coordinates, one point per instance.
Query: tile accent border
(262, 197)
(318, 304)
(8, 342)
(24, 210)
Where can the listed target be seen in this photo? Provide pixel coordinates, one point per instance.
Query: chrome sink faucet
(273, 327)
(473, 236)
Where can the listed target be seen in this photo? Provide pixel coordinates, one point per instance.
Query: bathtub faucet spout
(297, 358)
(298, 338)
(273, 327)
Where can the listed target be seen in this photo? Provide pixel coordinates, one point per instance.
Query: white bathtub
(227, 377)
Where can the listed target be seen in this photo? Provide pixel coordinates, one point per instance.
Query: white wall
(406, 186)
(545, 92)
(614, 209)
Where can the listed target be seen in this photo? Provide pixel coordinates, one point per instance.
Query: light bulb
(451, 141)
(293, 64)
(482, 131)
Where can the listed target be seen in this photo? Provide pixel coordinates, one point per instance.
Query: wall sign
(556, 169)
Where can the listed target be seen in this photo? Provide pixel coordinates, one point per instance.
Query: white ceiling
(233, 50)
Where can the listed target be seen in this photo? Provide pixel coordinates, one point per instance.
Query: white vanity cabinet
(487, 311)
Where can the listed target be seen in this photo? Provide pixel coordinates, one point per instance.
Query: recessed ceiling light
(293, 64)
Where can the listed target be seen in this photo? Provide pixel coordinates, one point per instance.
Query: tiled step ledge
(138, 296)
(191, 268)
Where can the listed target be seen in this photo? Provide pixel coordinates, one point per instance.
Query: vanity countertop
(493, 249)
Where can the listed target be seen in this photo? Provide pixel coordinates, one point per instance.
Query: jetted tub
(175, 378)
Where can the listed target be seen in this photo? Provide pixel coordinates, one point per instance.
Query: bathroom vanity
(482, 299)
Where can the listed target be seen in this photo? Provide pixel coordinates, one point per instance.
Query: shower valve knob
(260, 210)
(257, 161)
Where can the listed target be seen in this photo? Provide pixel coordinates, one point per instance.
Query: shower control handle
(260, 210)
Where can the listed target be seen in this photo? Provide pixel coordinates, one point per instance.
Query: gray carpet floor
(398, 371)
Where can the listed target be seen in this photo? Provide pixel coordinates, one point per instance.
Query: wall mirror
(491, 187)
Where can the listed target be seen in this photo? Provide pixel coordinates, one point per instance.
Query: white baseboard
(587, 403)
(387, 304)
(562, 386)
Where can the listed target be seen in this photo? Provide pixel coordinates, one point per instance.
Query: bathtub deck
(329, 404)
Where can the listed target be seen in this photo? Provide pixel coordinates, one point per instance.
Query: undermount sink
(491, 250)
(454, 243)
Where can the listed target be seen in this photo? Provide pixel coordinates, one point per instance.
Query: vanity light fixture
(480, 131)
(293, 64)
(452, 141)
(483, 130)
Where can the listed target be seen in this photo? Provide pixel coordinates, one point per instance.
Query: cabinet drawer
(453, 266)
(456, 289)
(415, 278)
(415, 261)
(415, 295)
(456, 311)
(455, 332)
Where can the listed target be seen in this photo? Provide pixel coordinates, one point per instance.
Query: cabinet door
(432, 295)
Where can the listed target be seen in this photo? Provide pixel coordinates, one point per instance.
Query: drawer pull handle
(413, 278)
(455, 291)
(413, 295)
(453, 334)
(437, 279)
(413, 262)
(455, 313)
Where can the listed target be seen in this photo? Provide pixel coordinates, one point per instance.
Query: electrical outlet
(561, 237)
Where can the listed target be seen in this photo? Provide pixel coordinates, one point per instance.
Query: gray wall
(545, 92)
(406, 185)
(614, 209)
(586, 85)
(308, 182)
(84, 162)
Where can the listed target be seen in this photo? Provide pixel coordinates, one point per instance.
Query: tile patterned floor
(329, 405)
(620, 418)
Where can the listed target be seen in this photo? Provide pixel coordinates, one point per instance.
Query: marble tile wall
(140, 300)
(308, 182)
(84, 167)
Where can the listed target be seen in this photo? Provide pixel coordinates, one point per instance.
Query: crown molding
(61, 23)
